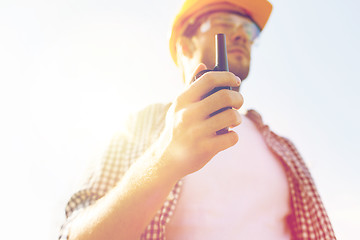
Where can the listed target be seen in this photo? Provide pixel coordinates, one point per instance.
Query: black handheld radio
(220, 65)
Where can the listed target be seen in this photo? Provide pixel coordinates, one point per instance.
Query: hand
(189, 139)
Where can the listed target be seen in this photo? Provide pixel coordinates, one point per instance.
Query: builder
(171, 176)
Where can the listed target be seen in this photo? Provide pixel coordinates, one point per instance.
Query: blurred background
(71, 71)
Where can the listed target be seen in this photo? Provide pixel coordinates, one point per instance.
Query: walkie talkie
(220, 65)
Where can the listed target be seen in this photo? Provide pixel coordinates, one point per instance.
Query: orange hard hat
(258, 10)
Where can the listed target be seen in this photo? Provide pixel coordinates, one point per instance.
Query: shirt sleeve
(124, 149)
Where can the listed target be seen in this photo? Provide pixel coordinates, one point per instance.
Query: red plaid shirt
(308, 219)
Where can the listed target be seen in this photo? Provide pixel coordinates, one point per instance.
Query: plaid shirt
(308, 219)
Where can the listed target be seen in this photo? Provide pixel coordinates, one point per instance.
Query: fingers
(208, 82)
(221, 99)
(222, 142)
(192, 110)
(227, 118)
(205, 128)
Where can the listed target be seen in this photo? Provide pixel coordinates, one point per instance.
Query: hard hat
(258, 10)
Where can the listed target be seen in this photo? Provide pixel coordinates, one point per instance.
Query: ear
(185, 46)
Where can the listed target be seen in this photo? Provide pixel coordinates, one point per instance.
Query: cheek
(206, 53)
(209, 58)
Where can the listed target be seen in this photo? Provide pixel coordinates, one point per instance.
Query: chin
(240, 68)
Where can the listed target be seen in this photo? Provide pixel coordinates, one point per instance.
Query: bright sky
(70, 71)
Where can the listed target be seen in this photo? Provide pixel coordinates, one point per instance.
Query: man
(170, 175)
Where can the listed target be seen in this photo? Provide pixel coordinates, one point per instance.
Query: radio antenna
(221, 53)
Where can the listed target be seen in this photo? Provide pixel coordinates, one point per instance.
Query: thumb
(199, 68)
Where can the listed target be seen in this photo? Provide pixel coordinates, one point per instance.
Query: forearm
(127, 209)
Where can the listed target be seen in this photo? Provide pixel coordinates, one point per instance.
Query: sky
(71, 71)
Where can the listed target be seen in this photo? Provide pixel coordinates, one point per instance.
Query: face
(240, 33)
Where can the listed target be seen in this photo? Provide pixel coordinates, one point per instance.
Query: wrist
(163, 164)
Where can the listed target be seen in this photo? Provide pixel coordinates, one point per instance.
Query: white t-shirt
(242, 193)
